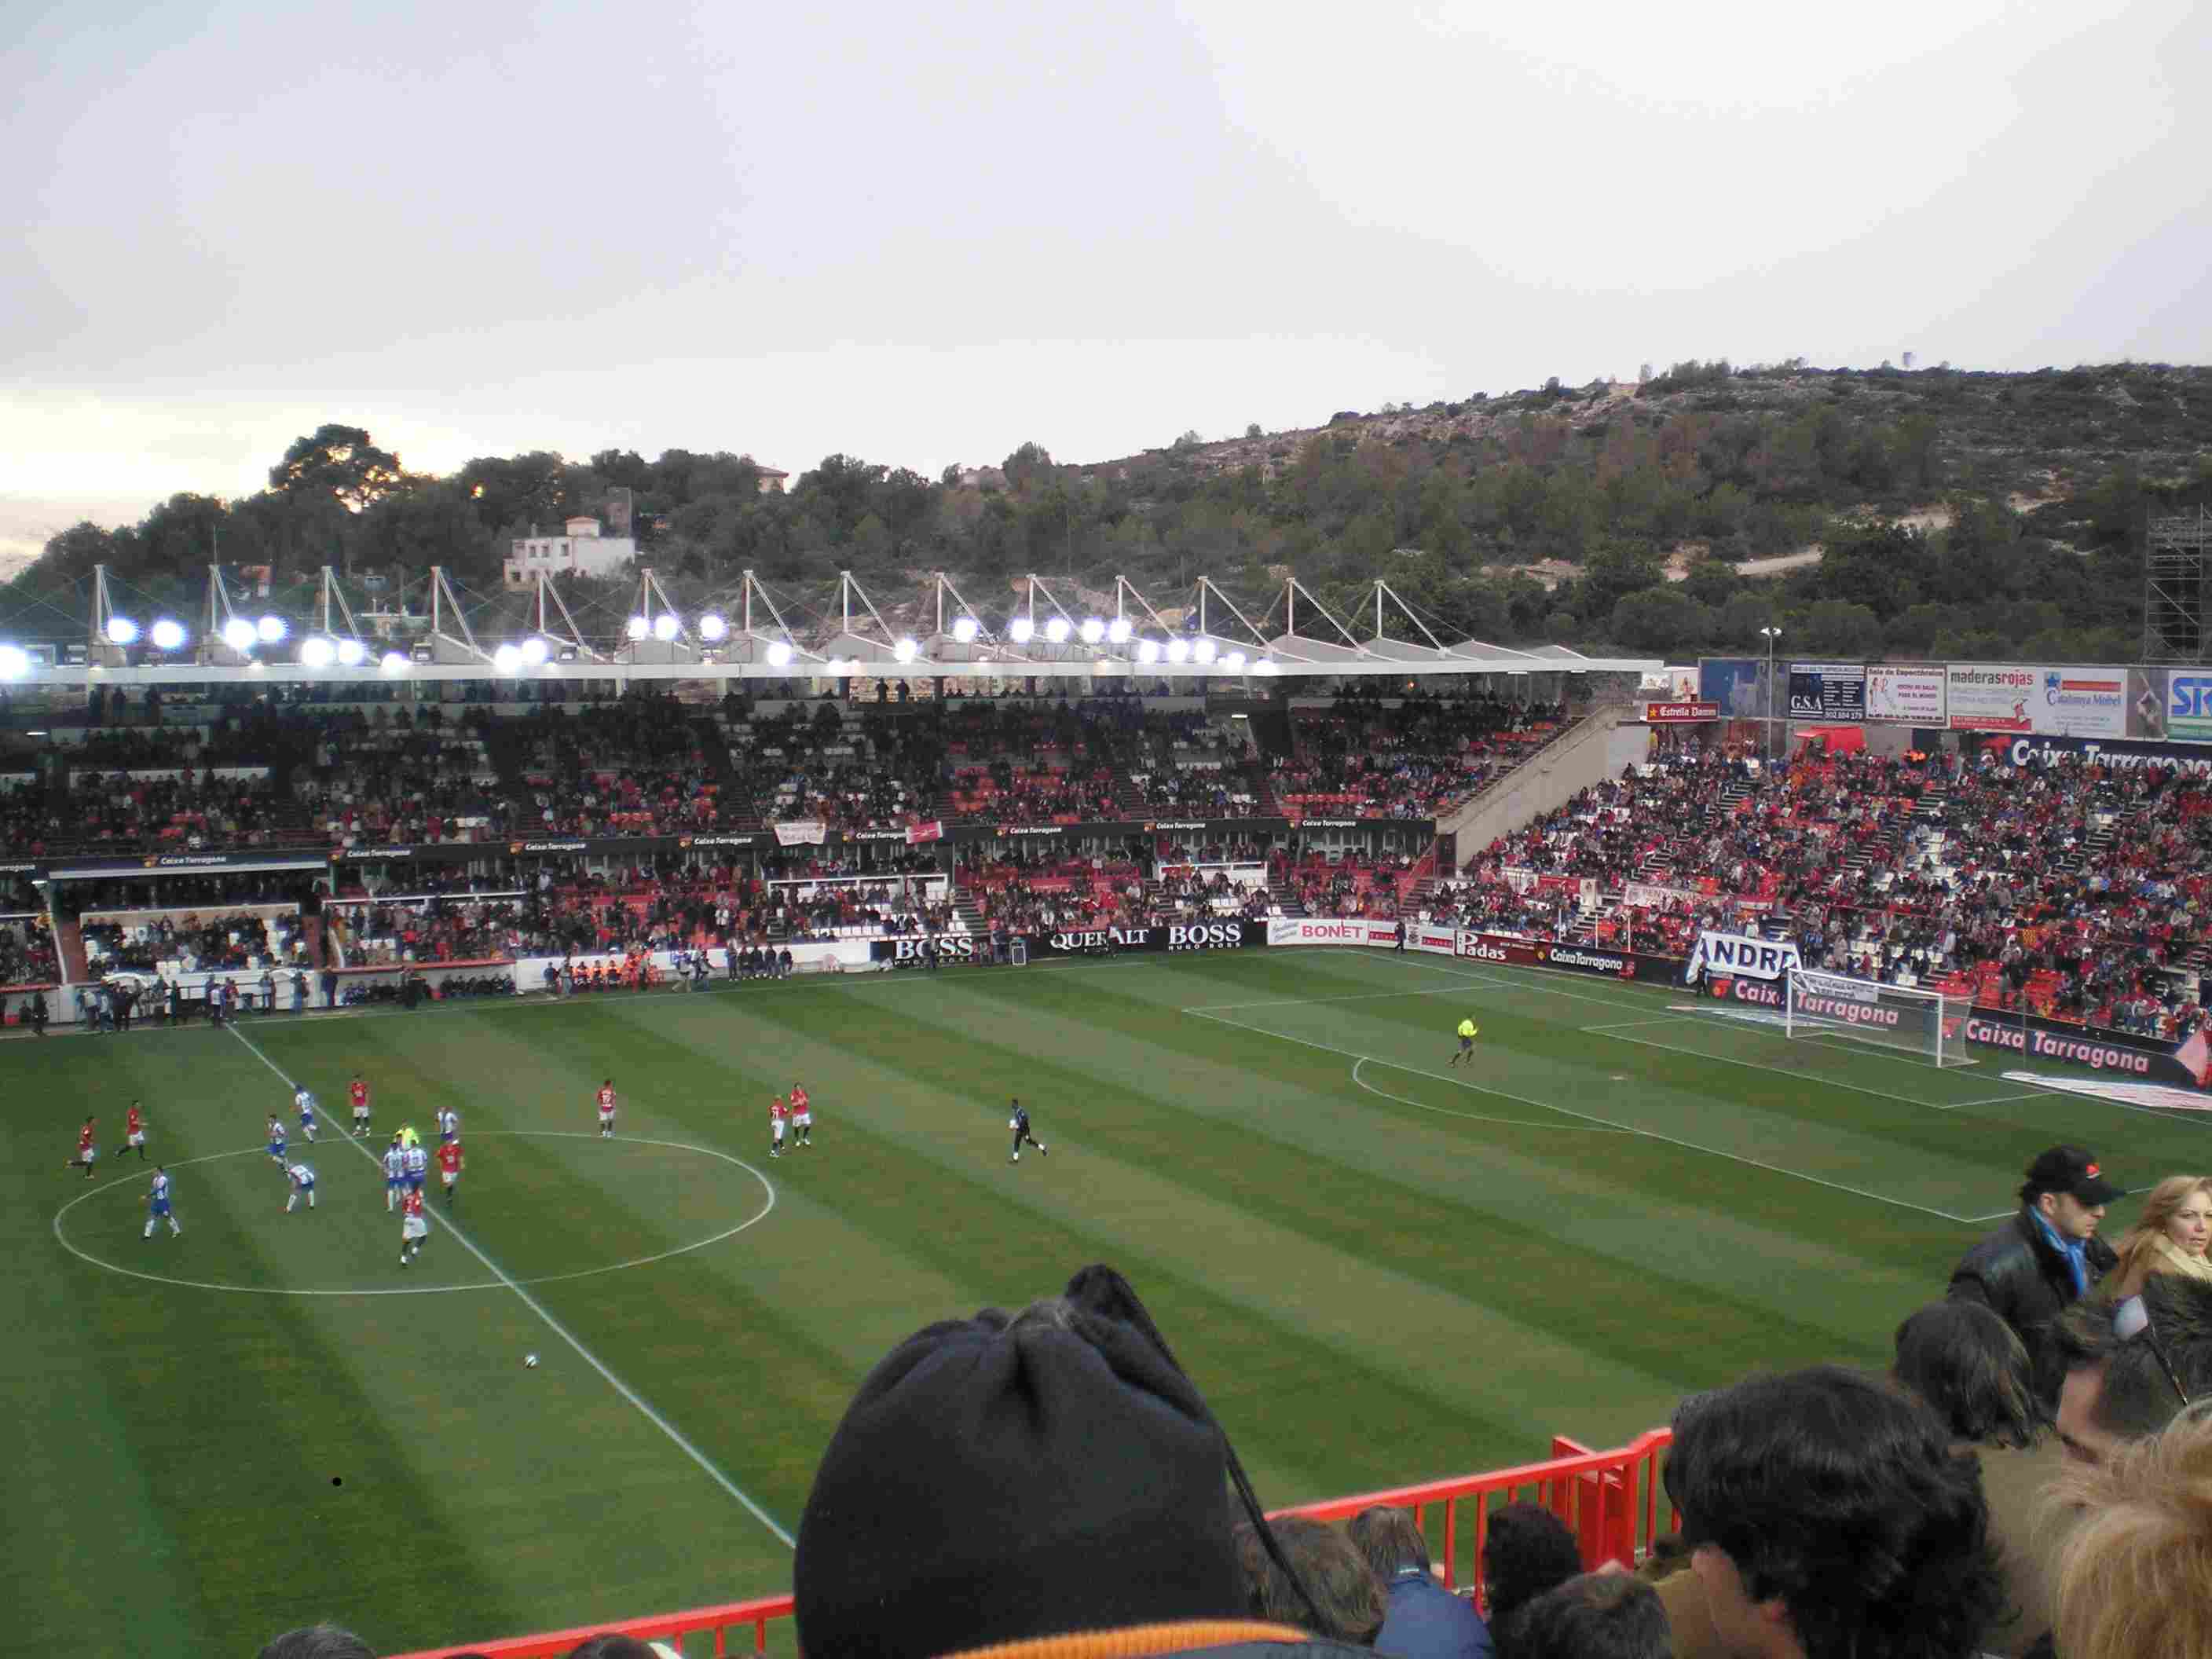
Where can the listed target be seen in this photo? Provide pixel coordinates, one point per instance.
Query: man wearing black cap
(2045, 1258)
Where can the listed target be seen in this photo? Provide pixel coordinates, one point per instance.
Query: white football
(530, 1359)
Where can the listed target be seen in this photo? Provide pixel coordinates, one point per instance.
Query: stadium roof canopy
(1208, 636)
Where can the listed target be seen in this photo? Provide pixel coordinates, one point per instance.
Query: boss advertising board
(1827, 691)
(1905, 696)
(1221, 933)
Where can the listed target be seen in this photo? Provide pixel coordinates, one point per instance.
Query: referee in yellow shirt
(1466, 1035)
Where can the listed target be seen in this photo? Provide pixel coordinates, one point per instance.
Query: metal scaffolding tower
(2177, 607)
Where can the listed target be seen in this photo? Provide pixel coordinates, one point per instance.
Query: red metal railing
(1609, 1500)
(672, 1627)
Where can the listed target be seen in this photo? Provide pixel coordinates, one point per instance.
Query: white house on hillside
(580, 551)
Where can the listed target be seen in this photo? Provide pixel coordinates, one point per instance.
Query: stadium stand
(2069, 887)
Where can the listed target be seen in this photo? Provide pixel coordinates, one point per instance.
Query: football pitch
(1379, 1267)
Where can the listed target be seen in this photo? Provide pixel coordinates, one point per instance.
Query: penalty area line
(675, 1435)
(1631, 1129)
(1470, 1117)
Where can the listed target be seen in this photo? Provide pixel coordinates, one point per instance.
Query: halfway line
(555, 1325)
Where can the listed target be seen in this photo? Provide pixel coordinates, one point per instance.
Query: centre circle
(767, 1204)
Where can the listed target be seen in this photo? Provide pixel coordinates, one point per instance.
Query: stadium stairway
(2094, 844)
(716, 748)
(1270, 732)
(503, 748)
(1285, 897)
(965, 908)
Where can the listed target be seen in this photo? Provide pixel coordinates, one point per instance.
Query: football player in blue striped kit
(157, 1205)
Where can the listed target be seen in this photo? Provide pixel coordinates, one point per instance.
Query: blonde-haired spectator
(2134, 1578)
(2170, 1237)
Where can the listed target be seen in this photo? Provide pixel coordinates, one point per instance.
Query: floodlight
(394, 663)
(14, 662)
(1265, 666)
(1022, 630)
(167, 635)
(637, 628)
(1178, 650)
(270, 630)
(534, 651)
(507, 660)
(779, 654)
(1093, 630)
(665, 626)
(1148, 651)
(238, 634)
(317, 653)
(121, 631)
(1202, 651)
(1117, 631)
(711, 627)
(1057, 630)
(352, 652)
(964, 630)
(905, 650)
(1234, 662)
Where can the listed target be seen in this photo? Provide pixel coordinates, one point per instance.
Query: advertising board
(1990, 697)
(1828, 691)
(1907, 696)
(2081, 703)
(1511, 950)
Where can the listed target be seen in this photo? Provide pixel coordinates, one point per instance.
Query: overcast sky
(926, 234)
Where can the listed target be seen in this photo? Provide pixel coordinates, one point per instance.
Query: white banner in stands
(1741, 955)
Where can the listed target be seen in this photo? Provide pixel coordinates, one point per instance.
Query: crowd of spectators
(1412, 756)
(399, 778)
(2069, 885)
(192, 811)
(832, 909)
(1351, 884)
(191, 943)
(637, 767)
(26, 952)
(647, 764)
(1963, 1502)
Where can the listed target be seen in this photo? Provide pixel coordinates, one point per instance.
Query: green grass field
(1379, 1268)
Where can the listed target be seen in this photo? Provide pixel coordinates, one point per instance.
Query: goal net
(1904, 1019)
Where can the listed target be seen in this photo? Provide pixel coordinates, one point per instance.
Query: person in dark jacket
(1422, 1620)
(2045, 1258)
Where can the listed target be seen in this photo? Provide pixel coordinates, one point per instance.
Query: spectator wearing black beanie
(1004, 1480)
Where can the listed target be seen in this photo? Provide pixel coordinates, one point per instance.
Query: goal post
(1916, 1023)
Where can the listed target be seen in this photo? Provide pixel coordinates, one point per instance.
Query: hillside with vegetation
(1932, 512)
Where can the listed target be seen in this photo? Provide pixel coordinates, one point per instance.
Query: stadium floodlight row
(1039, 638)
